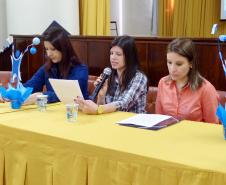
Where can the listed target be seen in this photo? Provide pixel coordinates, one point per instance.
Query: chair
(5, 77)
(151, 98)
(222, 97)
(91, 86)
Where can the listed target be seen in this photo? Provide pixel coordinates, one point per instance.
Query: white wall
(223, 9)
(3, 30)
(134, 17)
(137, 17)
(115, 11)
(34, 16)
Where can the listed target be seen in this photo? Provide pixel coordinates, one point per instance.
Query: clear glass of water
(42, 102)
(72, 112)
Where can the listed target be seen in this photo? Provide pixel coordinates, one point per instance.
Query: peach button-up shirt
(198, 105)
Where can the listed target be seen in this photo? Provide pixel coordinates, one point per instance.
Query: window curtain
(94, 17)
(189, 18)
(165, 22)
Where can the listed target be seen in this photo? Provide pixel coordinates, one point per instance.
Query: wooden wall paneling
(157, 61)
(5, 60)
(38, 60)
(142, 49)
(98, 56)
(209, 64)
(80, 47)
(221, 78)
(94, 51)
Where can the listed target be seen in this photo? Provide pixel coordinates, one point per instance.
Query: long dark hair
(60, 41)
(186, 48)
(127, 44)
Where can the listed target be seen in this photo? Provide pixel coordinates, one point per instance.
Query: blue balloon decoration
(33, 50)
(36, 41)
(17, 54)
(17, 95)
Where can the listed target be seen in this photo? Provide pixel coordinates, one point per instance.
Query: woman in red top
(184, 93)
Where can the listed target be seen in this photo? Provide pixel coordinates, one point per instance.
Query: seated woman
(184, 93)
(126, 88)
(62, 63)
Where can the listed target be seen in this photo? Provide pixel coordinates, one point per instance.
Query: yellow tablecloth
(42, 148)
(6, 107)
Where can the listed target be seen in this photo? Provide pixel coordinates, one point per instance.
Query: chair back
(5, 77)
(91, 86)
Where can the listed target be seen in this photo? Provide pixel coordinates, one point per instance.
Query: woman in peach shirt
(184, 93)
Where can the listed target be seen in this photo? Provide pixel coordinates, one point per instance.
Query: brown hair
(127, 44)
(59, 39)
(186, 48)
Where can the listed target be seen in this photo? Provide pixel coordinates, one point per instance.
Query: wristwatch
(100, 109)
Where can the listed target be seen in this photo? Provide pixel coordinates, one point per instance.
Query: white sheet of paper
(145, 120)
(66, 90)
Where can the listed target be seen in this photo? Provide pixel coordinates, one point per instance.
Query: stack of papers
(149, 121)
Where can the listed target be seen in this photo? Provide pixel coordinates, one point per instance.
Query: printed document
(146, 120)
(66, 90)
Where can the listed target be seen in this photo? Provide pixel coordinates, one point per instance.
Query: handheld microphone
(222, 38)
(106, 74)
